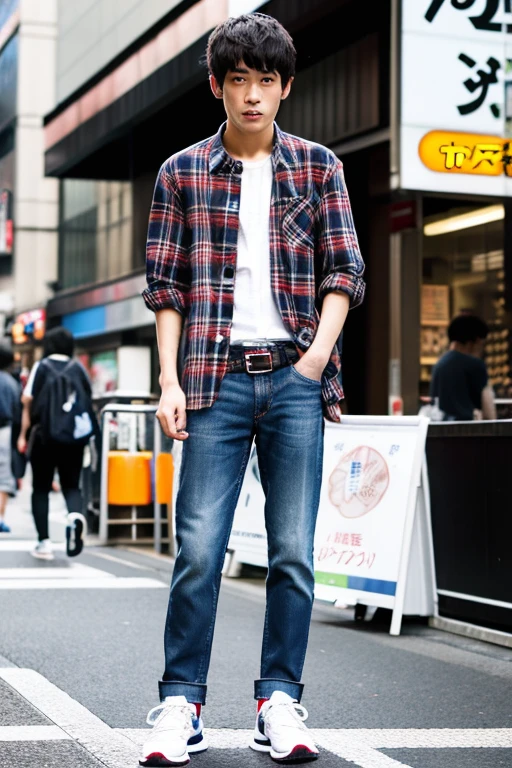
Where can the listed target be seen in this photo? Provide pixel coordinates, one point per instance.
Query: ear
(216, 89)
(287, 89)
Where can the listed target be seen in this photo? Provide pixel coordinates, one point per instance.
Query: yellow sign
(453, 152)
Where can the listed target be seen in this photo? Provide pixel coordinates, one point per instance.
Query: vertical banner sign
(456, 96)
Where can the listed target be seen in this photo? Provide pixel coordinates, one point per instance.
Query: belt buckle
(248, 361)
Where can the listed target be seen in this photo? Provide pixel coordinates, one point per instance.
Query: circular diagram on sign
(358, 482)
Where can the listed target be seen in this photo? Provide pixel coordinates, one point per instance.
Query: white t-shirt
(32, 375)
(255, 313)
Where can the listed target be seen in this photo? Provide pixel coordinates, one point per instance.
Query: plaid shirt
(192, 252)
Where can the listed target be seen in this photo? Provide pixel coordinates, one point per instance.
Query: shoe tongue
(280, 697)
(177, 700)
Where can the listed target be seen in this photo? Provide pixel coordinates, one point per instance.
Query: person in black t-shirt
(46, 455)
(459, 379)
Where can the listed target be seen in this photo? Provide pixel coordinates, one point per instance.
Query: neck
(466, 349)
(242, 146)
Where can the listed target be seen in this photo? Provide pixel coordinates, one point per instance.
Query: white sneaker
(43, 550)
(76, 529)
(280, 730)
(177, 731)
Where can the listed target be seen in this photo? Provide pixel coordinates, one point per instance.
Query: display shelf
(436, 323)
(428, 360)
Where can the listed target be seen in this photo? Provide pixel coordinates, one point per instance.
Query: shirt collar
(221, 162)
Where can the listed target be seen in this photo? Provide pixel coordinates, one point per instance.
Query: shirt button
(229, 273)
(239, 167)
(219, 338)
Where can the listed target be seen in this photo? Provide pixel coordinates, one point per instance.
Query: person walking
(460, 383)
(9, 417)
(57, 409)
(253, 263)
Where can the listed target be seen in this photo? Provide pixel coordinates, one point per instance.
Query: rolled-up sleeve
(338, 248)
(167, 264)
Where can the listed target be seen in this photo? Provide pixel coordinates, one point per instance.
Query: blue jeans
(282, 410)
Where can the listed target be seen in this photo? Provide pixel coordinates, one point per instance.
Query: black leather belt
(261, 358)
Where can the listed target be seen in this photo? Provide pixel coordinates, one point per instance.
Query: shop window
(464, 272)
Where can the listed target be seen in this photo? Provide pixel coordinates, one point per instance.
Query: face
(251, 98)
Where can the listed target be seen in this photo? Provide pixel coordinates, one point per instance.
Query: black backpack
(64, 407)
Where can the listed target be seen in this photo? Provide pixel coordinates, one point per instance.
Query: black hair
(6, 357)
(58, 341)
(466, 328)
(259, 41)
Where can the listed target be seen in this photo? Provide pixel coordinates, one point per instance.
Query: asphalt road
(91, 629)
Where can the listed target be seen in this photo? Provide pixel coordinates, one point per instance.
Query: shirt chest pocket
(298, 223)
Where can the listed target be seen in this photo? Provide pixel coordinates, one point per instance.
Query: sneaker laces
(284, 711)
(169, 716)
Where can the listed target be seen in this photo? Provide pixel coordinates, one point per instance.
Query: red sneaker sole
(299, 754)
(157, 760)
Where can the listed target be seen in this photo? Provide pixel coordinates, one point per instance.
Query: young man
(459, 379)
(252, 262)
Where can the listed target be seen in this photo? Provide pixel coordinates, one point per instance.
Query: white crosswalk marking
(119, 747)
(104, 583)
(73, 571)
(71, 575)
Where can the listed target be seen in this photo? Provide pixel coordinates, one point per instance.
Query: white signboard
(456, 92)
(372, 472)
(371, 476)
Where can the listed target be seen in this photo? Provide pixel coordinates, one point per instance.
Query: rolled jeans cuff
(263, 689)
(195, 693)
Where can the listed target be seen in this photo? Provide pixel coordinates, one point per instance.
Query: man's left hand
(310, 365)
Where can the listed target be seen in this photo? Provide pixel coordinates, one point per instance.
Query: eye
(238, 79)
(268, 79)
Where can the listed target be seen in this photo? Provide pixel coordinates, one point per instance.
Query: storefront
(27, 334)
(452, 149)
(114, 334)
(463, 271)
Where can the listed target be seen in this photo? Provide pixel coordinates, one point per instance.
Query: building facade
(28, 199)
(132, 89)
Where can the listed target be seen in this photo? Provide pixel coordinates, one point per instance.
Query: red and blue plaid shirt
(192, 252)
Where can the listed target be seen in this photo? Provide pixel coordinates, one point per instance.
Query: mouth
(251, 113)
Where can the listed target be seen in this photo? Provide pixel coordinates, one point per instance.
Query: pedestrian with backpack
(9, 417)
(57, 408)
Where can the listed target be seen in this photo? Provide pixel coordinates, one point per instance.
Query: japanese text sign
(456, 96)
(363, 508)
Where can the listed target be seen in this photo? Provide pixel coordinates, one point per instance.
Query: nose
(253, 94)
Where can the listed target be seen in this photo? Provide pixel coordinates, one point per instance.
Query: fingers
(170, 427)
(173, 420)
(181, 419)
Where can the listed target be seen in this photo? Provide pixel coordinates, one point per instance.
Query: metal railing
(107, 414)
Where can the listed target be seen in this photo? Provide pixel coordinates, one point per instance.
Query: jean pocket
(299, 376)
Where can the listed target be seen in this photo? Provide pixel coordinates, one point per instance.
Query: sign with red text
(372, 476)
(456, 96)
